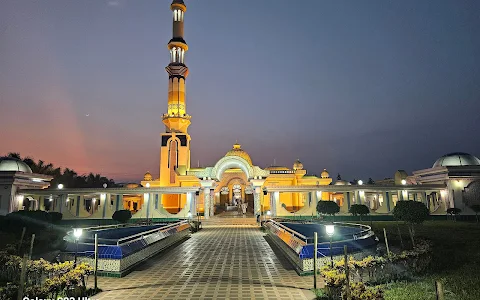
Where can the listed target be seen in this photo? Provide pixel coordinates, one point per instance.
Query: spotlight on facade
(360, 182)
(94, 199)
(50, 199)
(330, 229)
(404, 182)
(148, 184)
(60, 186)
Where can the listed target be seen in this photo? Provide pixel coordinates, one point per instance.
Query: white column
(191, 203)
(257, 189)
(207, 185)
(256, 200)
(276, 199)
(206, 202)
(212, 203)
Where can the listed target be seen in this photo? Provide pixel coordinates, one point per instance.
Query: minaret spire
(176, 119)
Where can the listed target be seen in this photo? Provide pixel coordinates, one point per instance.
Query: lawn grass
(456, 260)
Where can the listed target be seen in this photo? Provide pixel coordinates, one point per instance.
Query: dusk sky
(361, 88)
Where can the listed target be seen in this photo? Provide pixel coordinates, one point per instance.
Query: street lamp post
(330, 229)
(77, 233)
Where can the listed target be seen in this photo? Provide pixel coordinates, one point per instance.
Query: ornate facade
(182, 191)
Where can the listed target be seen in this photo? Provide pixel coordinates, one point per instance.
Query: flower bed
(43, 279)
(374, 270)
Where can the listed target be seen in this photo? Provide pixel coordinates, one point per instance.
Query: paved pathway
(229, 262)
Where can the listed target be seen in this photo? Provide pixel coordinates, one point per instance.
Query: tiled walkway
(230, 262)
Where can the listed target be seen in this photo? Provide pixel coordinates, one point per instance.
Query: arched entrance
(233, 191)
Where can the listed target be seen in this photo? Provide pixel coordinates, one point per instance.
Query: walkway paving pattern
(229, 262)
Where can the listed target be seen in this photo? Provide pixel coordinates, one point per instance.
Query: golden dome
(298, 165)
(147, 177)
(132, 185)
(238, 151)
(325, 174)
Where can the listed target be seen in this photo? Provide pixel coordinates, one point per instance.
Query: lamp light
(269, 213)
(77, 232)
(404, 182)
(330, 229)
(60, 186)
(360, 182)
(148, 184)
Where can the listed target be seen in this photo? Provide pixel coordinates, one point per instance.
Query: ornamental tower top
(176, 119)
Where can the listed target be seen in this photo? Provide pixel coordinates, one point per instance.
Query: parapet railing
(127, 239)
(141, 235)
(287, 229)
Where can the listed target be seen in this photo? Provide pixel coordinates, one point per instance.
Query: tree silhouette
(339, 177)
(69, 178)
(370, 181)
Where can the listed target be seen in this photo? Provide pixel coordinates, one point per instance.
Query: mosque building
(181, 190)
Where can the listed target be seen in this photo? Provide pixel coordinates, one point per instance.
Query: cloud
(116, 3)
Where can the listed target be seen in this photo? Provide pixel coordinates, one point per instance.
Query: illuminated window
(177, 15)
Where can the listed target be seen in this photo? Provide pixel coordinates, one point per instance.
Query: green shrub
(359, 209)
(358, 290)
(328, 207)
(454, 211)
(55, 216)
(476, 209)
(411, 212)
(122, 216)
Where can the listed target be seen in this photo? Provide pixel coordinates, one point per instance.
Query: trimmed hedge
(122, 216)
(328, 207)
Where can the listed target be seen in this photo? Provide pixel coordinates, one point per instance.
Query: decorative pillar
(192, 203)
(206, 203)
(387, 199)
(212, 202)
(207, 185)
(346, 203)
(256, 200)
(60, 203)
(77, 205)
(257, 189)
(275, 203)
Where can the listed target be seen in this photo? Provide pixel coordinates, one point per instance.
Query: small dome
(132, 185)
(341, 182)
(147, 177)
(457, 159)
(13, 164)
(238, 151)
(325, 174)
(298, 165)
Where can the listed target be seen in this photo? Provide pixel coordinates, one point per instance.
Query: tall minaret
(176, 119)
(175, 145)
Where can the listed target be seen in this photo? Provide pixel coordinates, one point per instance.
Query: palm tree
(14, 155)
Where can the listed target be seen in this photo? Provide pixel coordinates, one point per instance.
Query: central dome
(13, 164)
(457, 159)
(238, 151)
